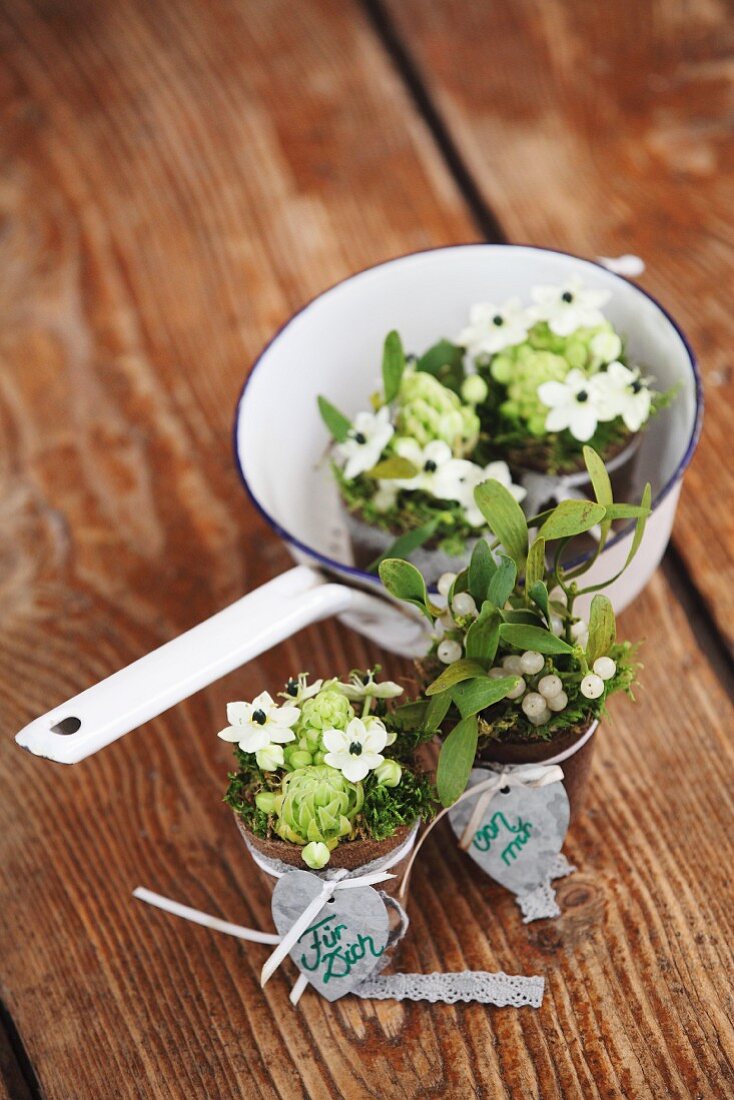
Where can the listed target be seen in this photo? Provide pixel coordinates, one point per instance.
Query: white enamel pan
(333, 347)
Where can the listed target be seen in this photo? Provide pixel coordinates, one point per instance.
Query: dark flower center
(360, 437)
(292, 687)
(355, 749)
(636, 385)
(498, 320)
(567, 296)
(430, 466)
(260, 717)
(582, 396)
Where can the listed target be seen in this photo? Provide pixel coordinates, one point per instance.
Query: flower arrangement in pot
(407, 468)
(514, 674)
(558, 377)
(326, 775)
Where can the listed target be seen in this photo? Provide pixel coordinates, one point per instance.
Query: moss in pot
(514, 674)
(326, 776)
(406, 469)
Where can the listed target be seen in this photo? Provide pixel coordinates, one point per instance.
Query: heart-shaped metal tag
(344, 942)
(521, 833)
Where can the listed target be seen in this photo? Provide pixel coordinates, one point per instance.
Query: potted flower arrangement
(326, 774)
(558, 376)
(406, 469)
(514, 674)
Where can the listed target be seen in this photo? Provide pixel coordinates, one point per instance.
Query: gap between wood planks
(18, 1079)
(683, 585)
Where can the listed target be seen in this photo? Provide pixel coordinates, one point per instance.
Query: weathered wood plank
(13, 1085)
(602, 129)
(178, 178)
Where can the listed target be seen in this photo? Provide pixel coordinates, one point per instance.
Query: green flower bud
(267, 801)
(605, 346)
(299, 758)
(318, 804)
(474, 390)
(270, 758)
(389, 773)
(316, 855)
(502, 368)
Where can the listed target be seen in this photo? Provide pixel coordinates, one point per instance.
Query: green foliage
(502, 584)
(456, 759)
(393, 468)
(393, 366)
(464, 669)
(533, 637)
(571, 517)
(337, 423)
(445, 361)
(473, 696)
(386, 809)
(405, 544)
(602, 628)
(481, 570)
(482, 637)
(505, 518)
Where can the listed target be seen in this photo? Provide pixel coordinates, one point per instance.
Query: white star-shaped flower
(254, 726)
(298, 689)
(369, 435)
(357, 750)
(366, 687)
(459, 478)
(568, 307)
(428, 460)
(620, 391)
(492, 328)
(572, 405)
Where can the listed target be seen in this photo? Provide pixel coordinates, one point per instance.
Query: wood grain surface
(605, 129)
(177, 178)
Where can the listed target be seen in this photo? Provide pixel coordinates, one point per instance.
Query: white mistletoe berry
(592, 686)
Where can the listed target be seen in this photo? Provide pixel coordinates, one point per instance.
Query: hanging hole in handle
(504, 790)
(67, 726)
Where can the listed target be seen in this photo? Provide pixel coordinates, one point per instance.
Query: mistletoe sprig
(517, 657)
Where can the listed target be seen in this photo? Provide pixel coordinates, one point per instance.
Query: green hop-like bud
(389, 773)
(329, 710)
(428, 411)
(474, 390)
(318, 804)
(316, 855)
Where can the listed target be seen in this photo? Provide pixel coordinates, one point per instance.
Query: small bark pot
(576, 767)
(352, 855)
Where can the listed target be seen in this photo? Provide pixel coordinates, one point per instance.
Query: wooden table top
(177, 179)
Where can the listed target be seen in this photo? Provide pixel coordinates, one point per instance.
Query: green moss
(385, 809)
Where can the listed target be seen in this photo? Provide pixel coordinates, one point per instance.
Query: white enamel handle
(182, 666)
